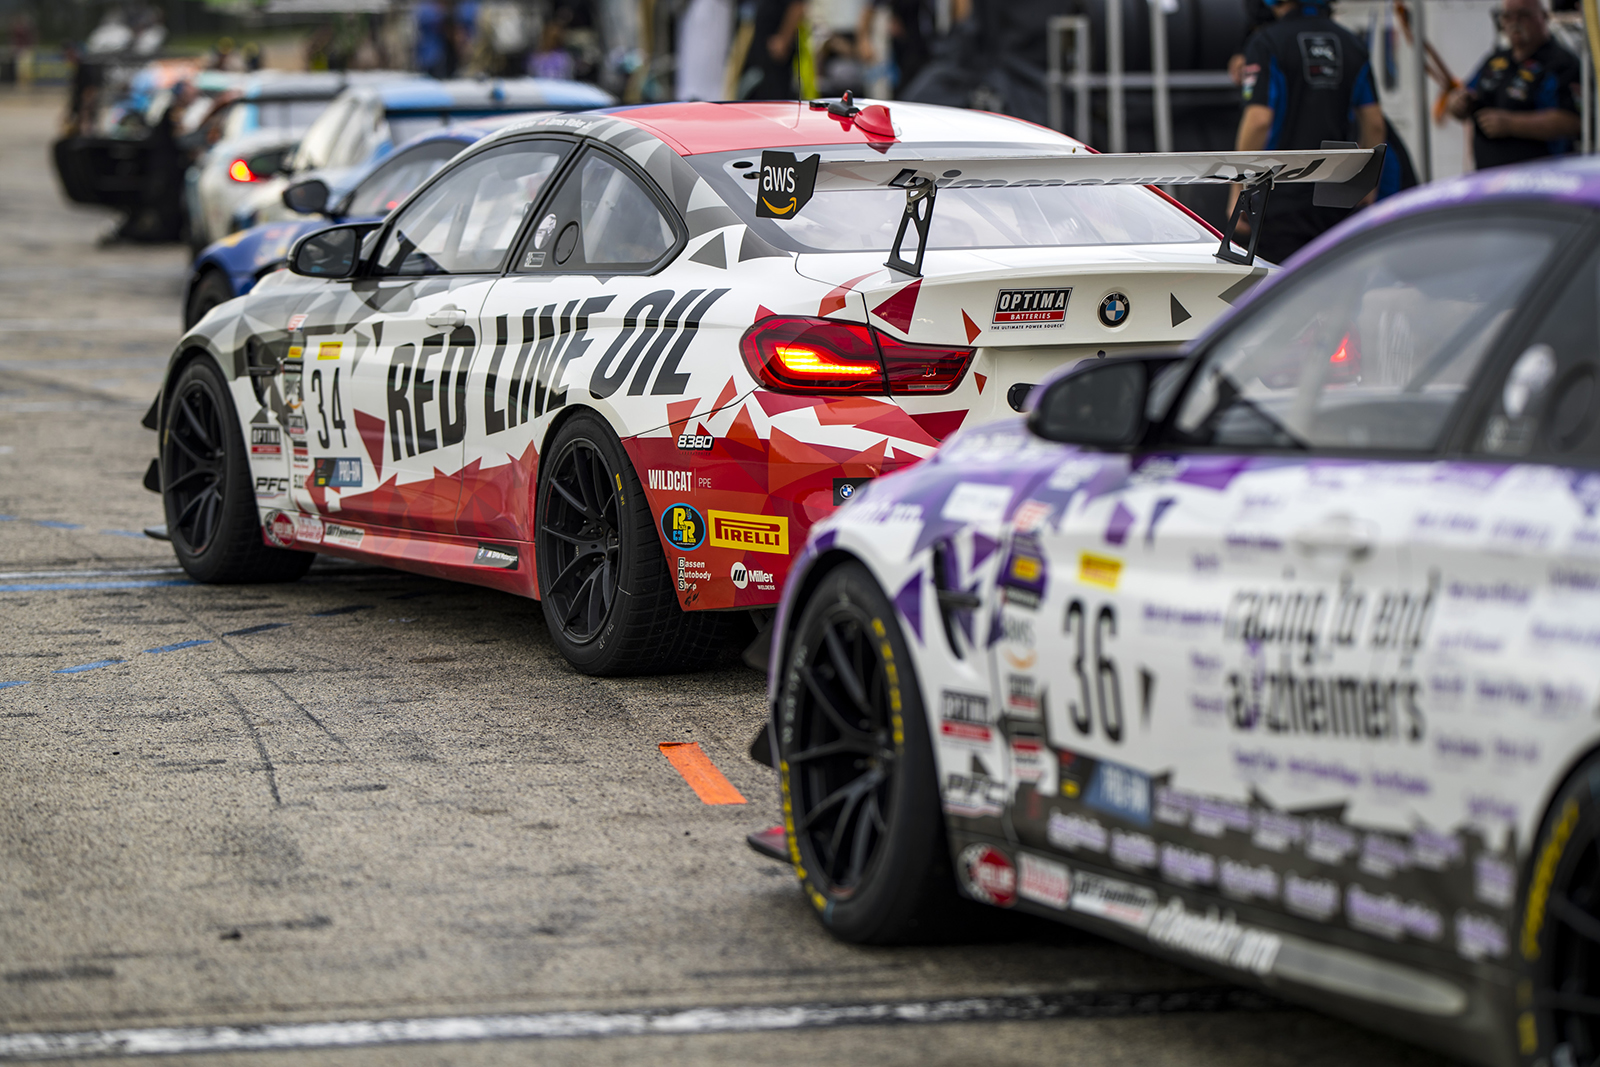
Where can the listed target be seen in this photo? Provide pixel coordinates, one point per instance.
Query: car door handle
(447, 317)
(1341, 534)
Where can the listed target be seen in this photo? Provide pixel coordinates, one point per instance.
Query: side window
(317, 146)
(381, 191)
(1545, 404)
(465, 221)
(601, 220)
(1372, 350)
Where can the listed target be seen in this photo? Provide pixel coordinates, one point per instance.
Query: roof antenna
(844, 107)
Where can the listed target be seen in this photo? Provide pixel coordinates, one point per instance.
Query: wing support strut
(1251, 206)
(920, 194)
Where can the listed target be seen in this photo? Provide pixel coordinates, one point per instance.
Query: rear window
(404, 125)
(1010, 217)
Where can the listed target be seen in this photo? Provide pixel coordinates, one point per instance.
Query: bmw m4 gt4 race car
(622, 361)
(1278, 657)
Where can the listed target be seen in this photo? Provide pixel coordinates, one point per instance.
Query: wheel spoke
(578, 505)
(1575, 918)
(1573, 1003)
(826, 702)
(570, 570)
(194, 422)
(194, 456)
(842, 824)
(198, 472)
(838, 796)
(858, 746)
(862, 839)
(849, 673)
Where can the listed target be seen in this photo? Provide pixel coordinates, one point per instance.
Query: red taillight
(240, 171)
(1345, 363)
(804, 355)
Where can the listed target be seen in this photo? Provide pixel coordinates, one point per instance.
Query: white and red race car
(621, 361)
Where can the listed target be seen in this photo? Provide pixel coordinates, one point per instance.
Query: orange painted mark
(702, 775)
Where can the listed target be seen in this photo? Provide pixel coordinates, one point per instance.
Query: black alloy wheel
(1558, 941)
(582, 529)
(860, 800)
(206, 487)
(211, 289)
(604, 584)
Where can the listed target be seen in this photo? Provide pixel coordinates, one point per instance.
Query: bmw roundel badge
(1114, 310)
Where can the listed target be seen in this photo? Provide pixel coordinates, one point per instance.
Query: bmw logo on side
(1114, 310)
(683, 527)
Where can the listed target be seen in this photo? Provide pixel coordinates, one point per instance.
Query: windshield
(291, 116)
(1014, 217)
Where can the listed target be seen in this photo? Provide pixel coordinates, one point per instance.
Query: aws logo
(683, 527)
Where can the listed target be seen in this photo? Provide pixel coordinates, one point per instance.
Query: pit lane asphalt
(370, 796)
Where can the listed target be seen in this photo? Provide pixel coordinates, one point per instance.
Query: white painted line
(164, 1041)
(163, 324)
(130, 573)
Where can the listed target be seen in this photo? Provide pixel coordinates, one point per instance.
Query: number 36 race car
(1280, 655)
(621, 361)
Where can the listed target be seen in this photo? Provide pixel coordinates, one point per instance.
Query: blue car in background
(232, 266)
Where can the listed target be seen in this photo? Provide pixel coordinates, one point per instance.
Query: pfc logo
(683, 527)
(752, 533)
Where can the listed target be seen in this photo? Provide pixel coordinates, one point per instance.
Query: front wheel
(1557, 943)
(206, 488)
(860, 794)
(212, 288)
(604, 586)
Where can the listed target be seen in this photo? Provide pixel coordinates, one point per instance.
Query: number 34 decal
(324, 434)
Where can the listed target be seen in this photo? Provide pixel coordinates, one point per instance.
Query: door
(1233, 645)
(579, 315)
(386, 365)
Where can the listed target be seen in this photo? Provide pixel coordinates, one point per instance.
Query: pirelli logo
(751, 533)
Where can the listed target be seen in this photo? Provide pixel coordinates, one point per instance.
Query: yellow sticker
(1025, 569)
(750, 533)
(329, 349)
(1099, 570)
(295, 351)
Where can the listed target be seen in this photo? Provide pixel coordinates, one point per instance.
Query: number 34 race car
(621, 361)
(1278, 656)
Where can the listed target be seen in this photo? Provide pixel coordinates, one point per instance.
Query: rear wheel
(603, 582)
(211, 289)
(206, 488)
(1558, 941)
(860, 795)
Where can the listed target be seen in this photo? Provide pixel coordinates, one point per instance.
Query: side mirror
(1101, 404)
(309, 197)
(331, 253)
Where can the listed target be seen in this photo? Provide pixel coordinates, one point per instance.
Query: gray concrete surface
(398, 801)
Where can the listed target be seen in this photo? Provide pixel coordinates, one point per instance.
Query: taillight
(240, 171)
(1345, 363)
(804, 355)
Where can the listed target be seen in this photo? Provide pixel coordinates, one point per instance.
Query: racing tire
(1557, 942)
(861, 807)
(206, 489)
(212, 289)
(604, 585)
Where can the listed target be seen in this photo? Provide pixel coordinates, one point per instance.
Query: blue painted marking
(54, 525)
(8, 518)
(11, 685)
(43, 587)
(80, 668)
(180, 644)
(124, 533)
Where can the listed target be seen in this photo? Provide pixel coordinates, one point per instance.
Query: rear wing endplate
(1342, 173)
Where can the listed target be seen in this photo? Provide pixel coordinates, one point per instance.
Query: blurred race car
(1276, 656)
(271, 111)
(622, 361)
(366, 121)
(232, 266)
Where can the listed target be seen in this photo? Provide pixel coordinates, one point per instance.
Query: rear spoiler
(1342, 172)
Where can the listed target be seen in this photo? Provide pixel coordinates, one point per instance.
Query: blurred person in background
(1523, 99)
(769, 63)
(705, 35)
(911, 34)
(444, 35)
(1306, 80)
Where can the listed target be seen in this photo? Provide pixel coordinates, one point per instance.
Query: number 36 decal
(1098, 692)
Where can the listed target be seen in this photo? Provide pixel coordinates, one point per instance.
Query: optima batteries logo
(1015, 307)
(752, 533)
(683, 527)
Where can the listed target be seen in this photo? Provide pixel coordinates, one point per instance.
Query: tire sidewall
(596, 653)
(238, 499)
(210, 280)
(1572, 820)
(912, 850)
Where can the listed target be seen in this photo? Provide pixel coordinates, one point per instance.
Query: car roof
(264, 86)
(467, 132)
(505, 94)
(696, 128)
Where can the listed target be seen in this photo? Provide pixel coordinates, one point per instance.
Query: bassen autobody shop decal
(1352, 742)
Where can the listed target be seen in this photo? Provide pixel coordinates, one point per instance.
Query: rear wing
(1342, 172)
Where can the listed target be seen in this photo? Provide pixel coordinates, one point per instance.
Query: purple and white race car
(1279, 655)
